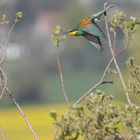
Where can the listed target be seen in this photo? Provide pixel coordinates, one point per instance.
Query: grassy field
(15, 127)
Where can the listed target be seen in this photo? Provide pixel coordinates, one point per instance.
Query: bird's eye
(97, 19)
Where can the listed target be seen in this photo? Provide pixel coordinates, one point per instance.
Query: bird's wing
(95, 18)
(93, 29)
(94, 40)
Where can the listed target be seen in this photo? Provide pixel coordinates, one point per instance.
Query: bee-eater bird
(89, 29)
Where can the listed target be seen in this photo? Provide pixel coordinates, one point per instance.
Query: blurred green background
(31, 65)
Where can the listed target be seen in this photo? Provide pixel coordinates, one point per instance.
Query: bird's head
(73, 32)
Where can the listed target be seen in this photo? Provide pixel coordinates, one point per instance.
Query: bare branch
(5, 82)
(115, 41)
(4, 78)
(84, 95)
(21, 112)
(103, 76)
(90, 90)
(6, 42)
(2, 134)
(3, 58)
(61, 78)
(115, 61)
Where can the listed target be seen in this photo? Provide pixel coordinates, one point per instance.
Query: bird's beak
(72, 33)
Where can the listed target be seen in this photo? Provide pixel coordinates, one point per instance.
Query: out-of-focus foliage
(131, 26)
(100, 118)
(134, 82)
(128, 25)
(112, 72)
(53, 114)
(117, 19)
(4, 19)
(18, 16)
(58, 36)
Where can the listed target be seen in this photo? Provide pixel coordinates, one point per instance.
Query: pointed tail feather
(99, 47)
(94, 40)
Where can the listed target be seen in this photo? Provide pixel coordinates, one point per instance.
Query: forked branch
(4, 86)
(4, 47)
(115, 61)
(102, 80)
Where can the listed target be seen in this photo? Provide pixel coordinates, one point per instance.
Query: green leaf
(53, 114)
(4, 19)
(18, 16)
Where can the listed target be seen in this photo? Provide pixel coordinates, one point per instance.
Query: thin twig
(115, 61)
(2, 134)
(115, 41)
(21, 112)
(103, 76)
(4, 78)
(91, 89)
(56, 132)
(62, 87)
(6, 42)
(3, 58)
(8, 91)
(61, 78)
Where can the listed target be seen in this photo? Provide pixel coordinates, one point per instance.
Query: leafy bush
(99, 117)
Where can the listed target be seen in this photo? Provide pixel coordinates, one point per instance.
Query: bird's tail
(94, 40)
(99, 47)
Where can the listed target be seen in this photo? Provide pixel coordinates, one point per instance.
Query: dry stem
(21, 111)
(2, 134)
(62, 87)
(3, 58)
(115, 61)
(4, 78)
(61, 78)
